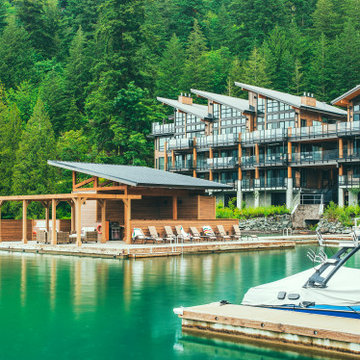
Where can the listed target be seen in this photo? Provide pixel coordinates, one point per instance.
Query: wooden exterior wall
(187, 207)
(159, 224)
(11, 230)
(152, 208)
(89, 214)
(207, 207)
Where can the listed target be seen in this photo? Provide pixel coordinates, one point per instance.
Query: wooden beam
(257, 156)
(24, 227)
(72, 220)
(289, 151)
(64, 197)
(103, 221)
(53, 221)
(85, 182)
(341, 148)
(174, 208)
(74, 179)
(78, 220)
(289, 172)
(127, 218)
(47, 219)
(257, 173)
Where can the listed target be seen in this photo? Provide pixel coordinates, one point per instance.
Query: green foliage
(246, 213)
(345, 215)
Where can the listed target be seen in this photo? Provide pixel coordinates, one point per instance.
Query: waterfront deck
(285, 328)
(119, 249)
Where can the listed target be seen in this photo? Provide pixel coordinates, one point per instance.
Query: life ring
(98, 229)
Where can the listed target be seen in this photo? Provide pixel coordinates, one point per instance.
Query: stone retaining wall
(271, 224)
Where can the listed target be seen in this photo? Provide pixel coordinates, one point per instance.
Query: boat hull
(328, 310)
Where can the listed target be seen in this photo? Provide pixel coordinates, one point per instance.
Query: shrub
(247, 213)
(345, 215)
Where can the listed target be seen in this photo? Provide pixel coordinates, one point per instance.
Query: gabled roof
(201, 111)
(236, 103)
(349, 95)
(138, 175)
(293, 100)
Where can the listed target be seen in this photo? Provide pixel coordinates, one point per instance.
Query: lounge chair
(237, 233)
(170, 236)
(182, 233)
(222, 232)
(154, 235)
(62, 237)
(195, 233)
(209, 232)
(138, 235)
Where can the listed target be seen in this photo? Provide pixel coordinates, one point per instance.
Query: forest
(79, 78)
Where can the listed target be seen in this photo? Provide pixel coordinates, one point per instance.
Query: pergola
(111, 182)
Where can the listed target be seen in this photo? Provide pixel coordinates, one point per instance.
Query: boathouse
(127, 196)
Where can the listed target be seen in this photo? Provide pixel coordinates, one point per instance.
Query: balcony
(314, 132)
(263, 136)
(224, 140)
(248, 161)
(264, 184)
(163, 129)
(349, 128)
(181, 166)
(180, 144)
(278, 159)
(349, 181)
(221, 163)
(354, 157)
(315, 157)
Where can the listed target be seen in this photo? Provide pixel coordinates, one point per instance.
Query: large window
(279, 115)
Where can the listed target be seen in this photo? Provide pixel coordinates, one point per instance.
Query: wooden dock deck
(285, 328)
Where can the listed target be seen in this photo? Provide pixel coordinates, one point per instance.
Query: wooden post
(72, 220)
(174, 203)
(165, 157)
(73, 179)
(341, 170)
(47, 217)
(239, 173)
(289, 172)
(53, 220)
(1, 202)
(341, 148)
(257, 173)
(289, 151)
(257, 153)
(24, 227)
(78, 221)
(211, 156)
(103, 221)
(127, 215)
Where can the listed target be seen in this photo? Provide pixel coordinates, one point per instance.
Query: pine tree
(3, 15)
(10, 132)
(255, 71)
(327, 19)
(32, 174)
(77, 71)
(297, 81)
(196, 65)
(170, 69)
(16, 56)
(235, 75)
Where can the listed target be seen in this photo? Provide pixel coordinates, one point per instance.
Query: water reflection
(102, 307)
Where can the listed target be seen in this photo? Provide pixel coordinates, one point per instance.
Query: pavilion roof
(138, 175)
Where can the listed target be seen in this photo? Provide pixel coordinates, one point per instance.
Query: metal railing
(182, 166)
(315, 156)
(263, 136)
(311, 199)
(221, 163)
(262, 183)
(310, 132)
(180, 144)
(349, 181)
(163, 129)
(214, 141)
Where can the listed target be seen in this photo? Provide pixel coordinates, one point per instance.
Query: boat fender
(99, 228)
(224, 302)
(306, 304)
(281, 295)
(179, 310)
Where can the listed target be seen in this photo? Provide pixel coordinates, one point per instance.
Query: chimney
(308, 99)
(185, 99)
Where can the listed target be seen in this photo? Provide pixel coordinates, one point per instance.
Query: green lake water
(55, 307)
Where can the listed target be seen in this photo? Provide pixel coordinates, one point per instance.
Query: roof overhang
(344, 99)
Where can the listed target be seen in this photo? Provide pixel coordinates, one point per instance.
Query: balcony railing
(312, 132)
(355, 156)
(349, 128)
(180, 144)
(263, 184)
(214, 141)
(182, 166)
(263, 136)
(309, 157)
(221, 163)
(163, 129)
(349, 181)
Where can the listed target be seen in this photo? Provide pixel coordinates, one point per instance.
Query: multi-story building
(274, 148)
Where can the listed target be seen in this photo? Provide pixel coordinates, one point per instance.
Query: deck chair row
(181, 235)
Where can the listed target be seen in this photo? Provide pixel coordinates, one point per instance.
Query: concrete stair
(306, 213)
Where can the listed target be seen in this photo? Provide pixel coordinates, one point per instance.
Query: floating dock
(289, 329)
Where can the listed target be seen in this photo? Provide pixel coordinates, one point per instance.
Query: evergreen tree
(235, 75)
(16, 56)
(32, 174)
(170, 69)
(3, 15)
(196, 65)
(77, 71)
(10, 132)
(297, 81)
(255, 71)
(56, 102)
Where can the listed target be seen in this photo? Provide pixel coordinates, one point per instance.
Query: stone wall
(330, 227)
(271, 224)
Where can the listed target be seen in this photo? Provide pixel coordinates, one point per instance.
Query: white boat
(329, 288)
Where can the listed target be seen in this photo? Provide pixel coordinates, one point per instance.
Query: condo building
(273, 148)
